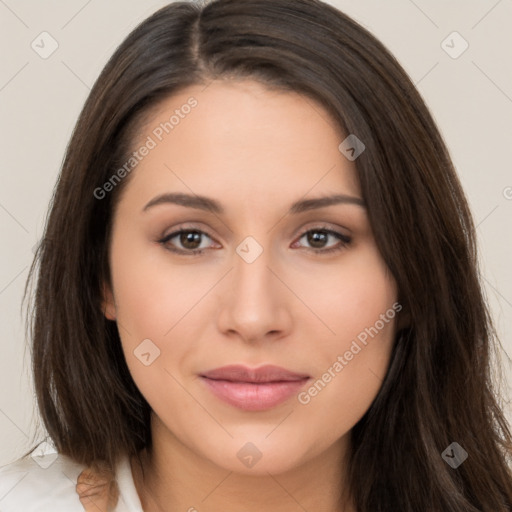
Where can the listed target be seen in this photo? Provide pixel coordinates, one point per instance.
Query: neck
(171, 477)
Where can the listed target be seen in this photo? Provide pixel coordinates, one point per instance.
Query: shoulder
(41, 483)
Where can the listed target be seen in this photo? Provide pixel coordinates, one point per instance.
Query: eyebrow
(212, 205)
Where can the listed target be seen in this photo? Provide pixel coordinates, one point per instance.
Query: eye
(318, 237)
(190, 241)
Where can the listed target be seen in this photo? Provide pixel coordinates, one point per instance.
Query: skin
(256, 151)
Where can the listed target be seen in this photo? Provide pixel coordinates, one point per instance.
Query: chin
(259, 458)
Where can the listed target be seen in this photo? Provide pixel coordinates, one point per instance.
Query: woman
(325, 345)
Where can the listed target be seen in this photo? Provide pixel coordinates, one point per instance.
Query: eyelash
(345, 241)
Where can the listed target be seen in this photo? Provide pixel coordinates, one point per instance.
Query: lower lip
(254, 397)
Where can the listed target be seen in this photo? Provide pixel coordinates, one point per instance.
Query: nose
(255, 304)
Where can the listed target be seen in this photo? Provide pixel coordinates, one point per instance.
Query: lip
(265, 373)
(253, 389)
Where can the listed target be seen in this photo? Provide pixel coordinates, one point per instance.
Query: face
(250, 281)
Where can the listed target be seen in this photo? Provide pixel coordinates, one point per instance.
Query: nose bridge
(255, 305)
(251, 272)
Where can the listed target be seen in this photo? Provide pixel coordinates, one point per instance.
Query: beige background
(470, 98)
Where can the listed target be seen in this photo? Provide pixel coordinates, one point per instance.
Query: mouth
(253, 389)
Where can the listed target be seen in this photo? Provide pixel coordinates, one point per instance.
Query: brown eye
(189, 239)
(319, 237)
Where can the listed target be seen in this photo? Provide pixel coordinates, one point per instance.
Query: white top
(47, 483)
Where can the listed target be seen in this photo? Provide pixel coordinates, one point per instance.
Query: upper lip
(265, 373)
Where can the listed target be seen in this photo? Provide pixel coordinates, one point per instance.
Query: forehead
(239, 140)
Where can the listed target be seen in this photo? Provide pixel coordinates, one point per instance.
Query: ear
(108, 305)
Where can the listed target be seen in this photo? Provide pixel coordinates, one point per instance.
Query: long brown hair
(438, 388)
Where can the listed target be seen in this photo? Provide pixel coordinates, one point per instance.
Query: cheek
(343, 390)
(152, 294)
(158, 311)
(359, 306)
(348, 296)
